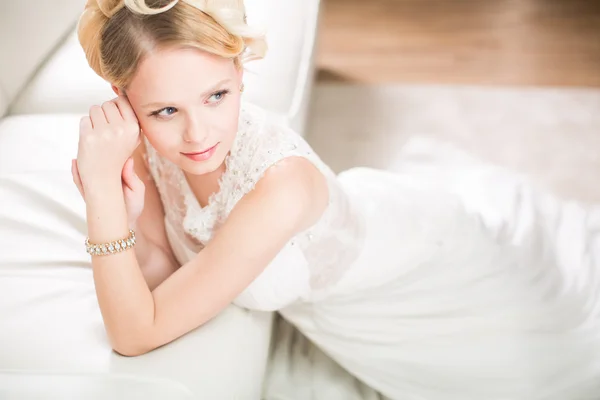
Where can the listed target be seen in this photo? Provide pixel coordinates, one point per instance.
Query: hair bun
(231, 14)
(108, 7)
(89, 31)
(140, 7)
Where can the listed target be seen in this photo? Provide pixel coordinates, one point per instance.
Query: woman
(196, 199)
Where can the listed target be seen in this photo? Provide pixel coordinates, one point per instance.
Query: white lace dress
(408, 284)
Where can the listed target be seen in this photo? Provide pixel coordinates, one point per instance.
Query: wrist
(102, 189)
(105, 209)
(132, 222)
(107, 221)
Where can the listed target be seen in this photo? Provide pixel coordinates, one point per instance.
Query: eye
(218, 96)
(166, 112)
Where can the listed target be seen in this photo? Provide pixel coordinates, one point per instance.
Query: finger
(125, 108)
(128, 173)
(85, 123)
(97, 116)
(76, 177)
(128, 193)
(138, 184)
(111, 112)
(132, 180)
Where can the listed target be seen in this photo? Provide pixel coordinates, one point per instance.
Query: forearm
(155, 262)
(124, 298)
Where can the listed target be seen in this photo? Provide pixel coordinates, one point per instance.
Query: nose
(194, 131)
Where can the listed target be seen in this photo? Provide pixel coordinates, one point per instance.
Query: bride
(196, 199)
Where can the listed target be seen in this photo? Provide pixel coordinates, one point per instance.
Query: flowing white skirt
(472, 285)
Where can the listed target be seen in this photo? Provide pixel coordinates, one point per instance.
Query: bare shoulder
(295, 188)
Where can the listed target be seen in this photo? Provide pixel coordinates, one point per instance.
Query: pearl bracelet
(106, 249)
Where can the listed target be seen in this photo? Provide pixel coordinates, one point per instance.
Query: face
(188, 103)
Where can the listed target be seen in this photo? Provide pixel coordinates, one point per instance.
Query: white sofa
(52, 341)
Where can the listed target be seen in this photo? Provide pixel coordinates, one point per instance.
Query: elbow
(128, 352)
(133, 339)
(132, 347)
(131, 350)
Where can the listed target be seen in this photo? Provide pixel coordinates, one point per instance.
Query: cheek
(162, 137)
(229, 117)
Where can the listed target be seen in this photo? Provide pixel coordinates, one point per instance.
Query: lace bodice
(310, 262)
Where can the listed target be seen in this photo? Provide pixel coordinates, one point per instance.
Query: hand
(107, 139)
(133, 190)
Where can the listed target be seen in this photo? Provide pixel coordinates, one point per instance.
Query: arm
(153, 251)
(288, 199)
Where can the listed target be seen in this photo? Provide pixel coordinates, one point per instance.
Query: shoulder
(292, 190)
(280, 171)
(267, 135)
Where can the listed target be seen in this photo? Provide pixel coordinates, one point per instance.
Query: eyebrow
(159, 104)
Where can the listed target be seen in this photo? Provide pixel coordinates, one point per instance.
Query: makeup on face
(202, 155)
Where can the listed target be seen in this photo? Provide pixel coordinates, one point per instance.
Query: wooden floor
(488, 42)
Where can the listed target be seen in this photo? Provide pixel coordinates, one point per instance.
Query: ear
(117, 91)
(240, 73)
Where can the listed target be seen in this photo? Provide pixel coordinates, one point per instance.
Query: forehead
(166, 73)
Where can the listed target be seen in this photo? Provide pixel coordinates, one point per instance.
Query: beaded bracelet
(106, 249)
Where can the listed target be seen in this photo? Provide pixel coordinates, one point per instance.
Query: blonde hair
(117, 34)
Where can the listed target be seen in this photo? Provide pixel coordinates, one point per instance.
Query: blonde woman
(196, 199)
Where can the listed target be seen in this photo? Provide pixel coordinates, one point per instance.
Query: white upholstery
(29, 32)
(53, 340)
(18, 385)
(49, 314)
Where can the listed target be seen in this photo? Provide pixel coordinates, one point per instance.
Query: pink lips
(203, 155)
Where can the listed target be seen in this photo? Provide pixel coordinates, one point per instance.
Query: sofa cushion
(279, 83)
(37, 27)
(3, 103)
(49, 314)
(20, 385)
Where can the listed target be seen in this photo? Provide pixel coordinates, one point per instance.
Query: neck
(203, 186)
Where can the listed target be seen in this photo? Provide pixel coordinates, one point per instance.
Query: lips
(202, 155)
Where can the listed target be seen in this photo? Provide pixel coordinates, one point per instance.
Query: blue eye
(167, 111)
(164, 112)
(218, 96)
